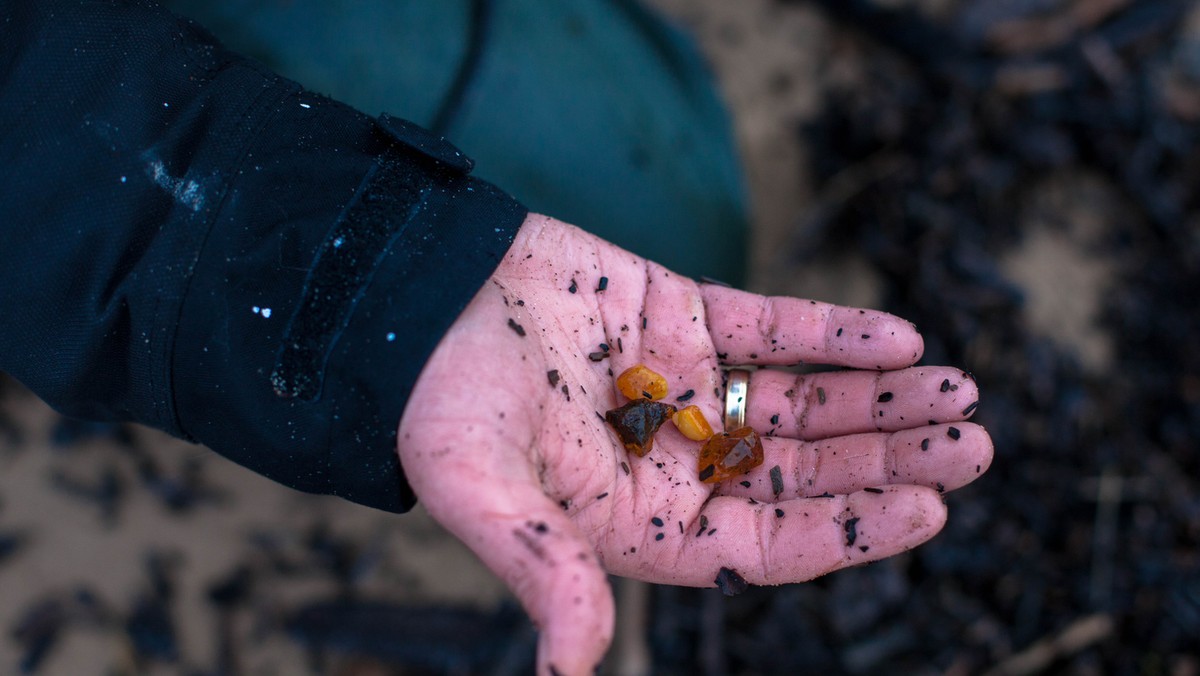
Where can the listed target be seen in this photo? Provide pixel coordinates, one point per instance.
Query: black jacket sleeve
(196, 244)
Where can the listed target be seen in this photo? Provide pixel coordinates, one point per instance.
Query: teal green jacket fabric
(601, 113)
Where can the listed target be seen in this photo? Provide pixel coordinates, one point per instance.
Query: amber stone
(637, 421)
(692, 423)
(639, 381)
(729, 454)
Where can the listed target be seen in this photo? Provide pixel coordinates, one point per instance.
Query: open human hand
(505, 443)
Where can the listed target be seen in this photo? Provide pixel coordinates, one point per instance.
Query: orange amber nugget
(639, 382)
(692, 424)
(727, 455)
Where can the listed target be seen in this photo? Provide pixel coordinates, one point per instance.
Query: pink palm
(504, 439)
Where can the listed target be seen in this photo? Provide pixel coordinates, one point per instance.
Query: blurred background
(1018, 177)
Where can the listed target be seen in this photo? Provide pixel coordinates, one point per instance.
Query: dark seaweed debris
(437, 638)
(37, 631)
(930, 167)
(146, 627)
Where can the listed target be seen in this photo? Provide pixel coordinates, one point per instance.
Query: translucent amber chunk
(727, 455)
(639, 382)
(637, 421)
(692, 423)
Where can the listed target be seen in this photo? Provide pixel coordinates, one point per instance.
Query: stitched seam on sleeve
(267, 100)
(346, 261)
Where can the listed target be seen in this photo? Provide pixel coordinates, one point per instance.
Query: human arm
(522, 468)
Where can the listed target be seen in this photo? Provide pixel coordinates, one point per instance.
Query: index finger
(748, 328)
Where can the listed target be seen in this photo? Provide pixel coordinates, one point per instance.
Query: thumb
(528, 541)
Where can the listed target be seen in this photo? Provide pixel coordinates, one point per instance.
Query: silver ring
(737, 386)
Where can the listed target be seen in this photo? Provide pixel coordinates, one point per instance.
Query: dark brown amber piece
(637, 421)
(729, 454)
(730, 582)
